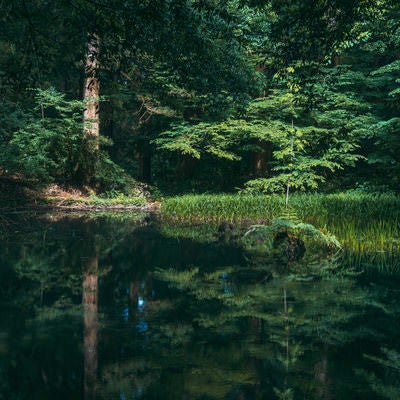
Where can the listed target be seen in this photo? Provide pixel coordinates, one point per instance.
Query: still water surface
(126, 307)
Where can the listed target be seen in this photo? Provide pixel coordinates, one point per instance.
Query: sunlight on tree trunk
(92, 87)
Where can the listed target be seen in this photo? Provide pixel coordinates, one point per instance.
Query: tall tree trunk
(91, 92)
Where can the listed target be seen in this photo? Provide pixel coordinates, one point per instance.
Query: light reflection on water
(102, 308)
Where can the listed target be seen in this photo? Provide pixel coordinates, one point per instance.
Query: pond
(125, 307)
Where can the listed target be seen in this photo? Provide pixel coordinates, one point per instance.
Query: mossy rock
(285, 243)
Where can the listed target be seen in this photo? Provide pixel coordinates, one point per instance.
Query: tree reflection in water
(131, 309)
(90, 289)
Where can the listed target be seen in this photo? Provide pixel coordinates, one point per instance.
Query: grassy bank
(368, 226)
(318, 209)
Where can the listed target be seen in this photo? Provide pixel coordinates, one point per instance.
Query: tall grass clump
(367, 226)
(334, 209)
(219, 208)
(317, 209)
(371, 232)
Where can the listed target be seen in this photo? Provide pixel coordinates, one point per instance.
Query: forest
(258, 95)
(199, 199)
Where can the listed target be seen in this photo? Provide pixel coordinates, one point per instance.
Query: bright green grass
(367, 226)
(218, 208)
(319, 209)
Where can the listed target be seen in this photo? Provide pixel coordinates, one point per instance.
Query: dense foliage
(266, 96)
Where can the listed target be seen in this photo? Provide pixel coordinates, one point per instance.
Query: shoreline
(78, 207)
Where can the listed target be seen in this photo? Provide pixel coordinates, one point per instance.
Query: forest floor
(16, 193)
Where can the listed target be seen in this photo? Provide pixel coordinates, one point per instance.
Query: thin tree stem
(288, 182)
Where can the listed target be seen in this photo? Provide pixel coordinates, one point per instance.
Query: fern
(288, 241)
(289, 214)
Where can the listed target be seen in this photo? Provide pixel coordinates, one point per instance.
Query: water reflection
(125, 308)
(90, 290)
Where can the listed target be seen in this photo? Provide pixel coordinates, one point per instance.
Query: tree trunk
(91, 88)
(261, 160)
(91, 123)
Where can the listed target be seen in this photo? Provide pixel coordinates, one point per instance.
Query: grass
(368, 226)
(218, 208)
(318, 209)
